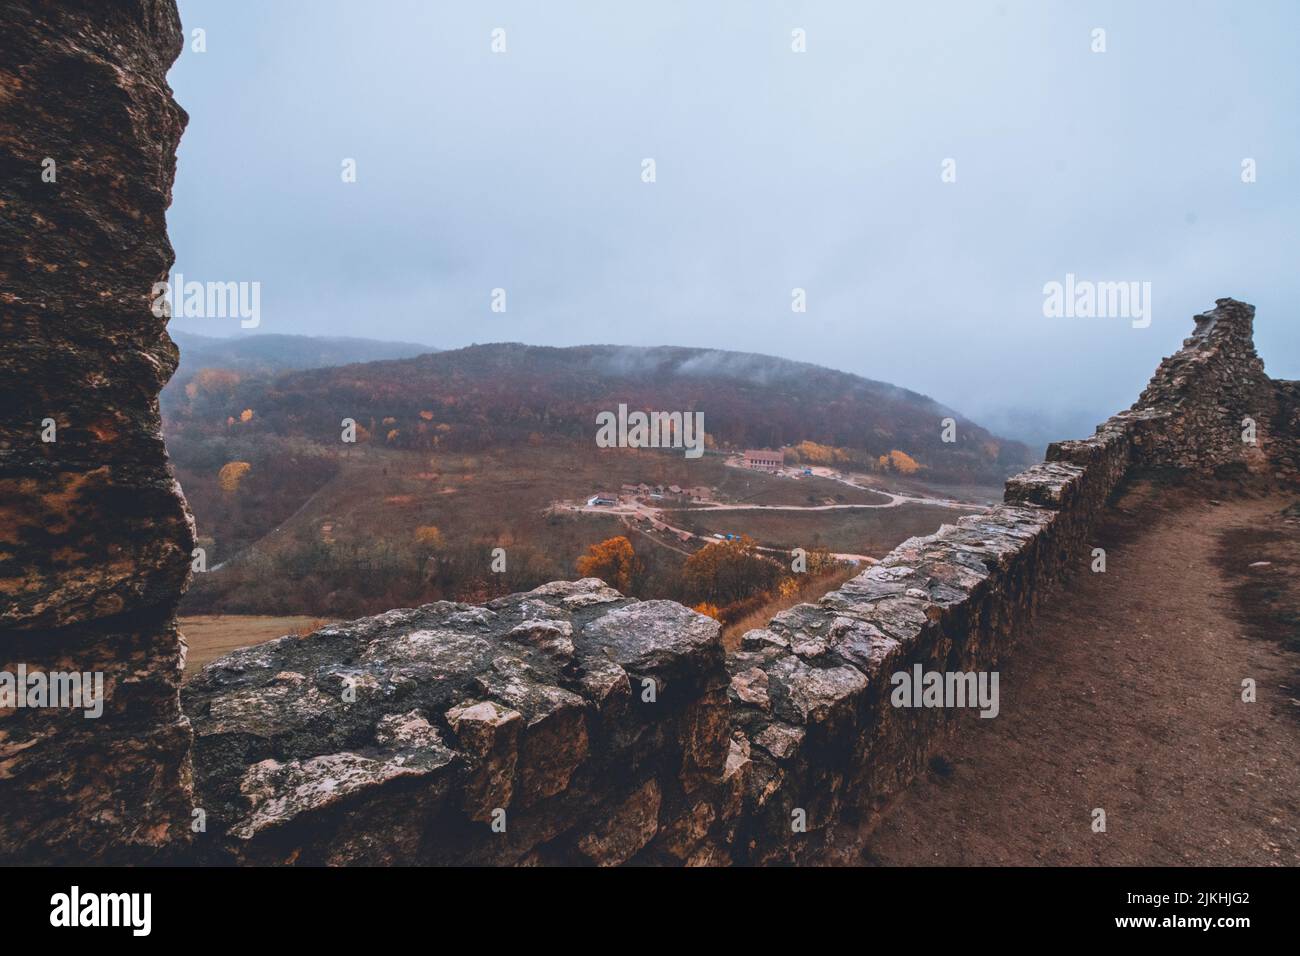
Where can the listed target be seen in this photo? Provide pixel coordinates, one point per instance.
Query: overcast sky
(774, 170)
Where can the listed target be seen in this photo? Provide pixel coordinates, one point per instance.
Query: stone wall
(605, 730)
(95, 538)
(592, 728)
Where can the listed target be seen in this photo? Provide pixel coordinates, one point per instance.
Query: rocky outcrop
(556, 726)
(95, 539)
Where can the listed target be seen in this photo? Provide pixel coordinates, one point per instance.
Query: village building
(764, 459)
(602, 498)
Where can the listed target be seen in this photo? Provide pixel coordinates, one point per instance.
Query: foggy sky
(775, 170)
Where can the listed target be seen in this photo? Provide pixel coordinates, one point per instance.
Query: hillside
(262, 356)
(485, 396)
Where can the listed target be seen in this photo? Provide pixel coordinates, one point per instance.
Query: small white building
(764, 459)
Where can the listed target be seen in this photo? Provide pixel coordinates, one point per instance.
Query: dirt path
(1126, 695)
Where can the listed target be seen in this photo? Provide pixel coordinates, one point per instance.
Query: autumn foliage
(900, 462)
(723, 572)
(428, 536)
(614, 562)
(231, 474)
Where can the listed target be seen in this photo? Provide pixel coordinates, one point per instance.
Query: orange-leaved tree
(231, 474)
(613, 561)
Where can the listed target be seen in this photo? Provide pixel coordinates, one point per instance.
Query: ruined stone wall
(1191, 418)
(94, 535)
(592, 728)
(1285, 448)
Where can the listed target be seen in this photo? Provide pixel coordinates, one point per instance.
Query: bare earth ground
(1126, 694)
(210, 636)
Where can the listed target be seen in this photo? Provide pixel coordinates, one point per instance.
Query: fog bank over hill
(775, 171)
(278, 353)
(508, 394)
(264, 355)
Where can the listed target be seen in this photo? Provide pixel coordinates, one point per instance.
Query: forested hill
(490, 395)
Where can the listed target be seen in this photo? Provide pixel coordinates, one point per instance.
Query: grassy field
(739, 486)
(210, 636)
(872, 532)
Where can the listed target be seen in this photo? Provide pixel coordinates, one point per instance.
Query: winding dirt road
(630, 511)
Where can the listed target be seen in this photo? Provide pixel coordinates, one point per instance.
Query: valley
(472, 472)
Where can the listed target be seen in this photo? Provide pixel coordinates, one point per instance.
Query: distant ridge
(486, 395)
(271, 354)
(285, 352)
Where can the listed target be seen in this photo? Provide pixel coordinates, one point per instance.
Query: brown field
(500, 497)
(371, 513)
(210, 636)
(738, 486)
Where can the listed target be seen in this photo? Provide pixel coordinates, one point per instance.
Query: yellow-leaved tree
(899, 461)
(428, 536)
